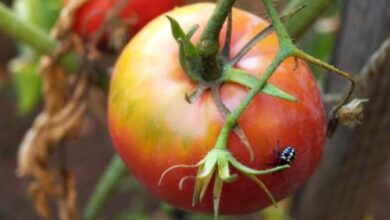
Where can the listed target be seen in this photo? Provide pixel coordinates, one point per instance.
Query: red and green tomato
(153, 127)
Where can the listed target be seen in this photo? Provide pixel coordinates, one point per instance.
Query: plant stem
(299, 24)
(286, 49)
(106, 186)
(32, 36)
(208, 45)
(281, 31)
(231, 120)
(24, 32)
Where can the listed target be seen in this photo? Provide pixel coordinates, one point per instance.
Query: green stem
(32, 36)
(209, 41)
(261, 35)
(299, 24)
(283, 37)
(25, 32)
(106, 186)
(208, 45)
(326, 66)
(287, 48)
(231, 120)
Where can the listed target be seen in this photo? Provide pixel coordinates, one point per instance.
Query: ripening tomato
(89, 16)
(154, 128)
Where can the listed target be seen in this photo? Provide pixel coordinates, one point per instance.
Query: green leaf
(245, 79)
(274, 91)
(177, 31)
(180, 36)
(188, 53)
(224, 171)
(27, 84)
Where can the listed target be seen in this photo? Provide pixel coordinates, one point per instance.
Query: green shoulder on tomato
(153, 127)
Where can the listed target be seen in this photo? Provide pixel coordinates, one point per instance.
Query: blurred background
(353, 181)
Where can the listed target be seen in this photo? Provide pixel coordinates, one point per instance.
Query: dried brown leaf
(351, 113)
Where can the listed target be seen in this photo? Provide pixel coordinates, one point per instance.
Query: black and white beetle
(286, 156)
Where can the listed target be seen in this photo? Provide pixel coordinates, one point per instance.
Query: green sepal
(224, 171)
(192, 31)
(217, 191)
(238, 76)
(205, 184)
(197, 188)
(263, 187)
(209, 165)
(217, 164)
(244, 169)
(203, 177)
(274, 91)
(188, 54)
(177, 32)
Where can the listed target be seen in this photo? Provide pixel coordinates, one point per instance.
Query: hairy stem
(208, 45)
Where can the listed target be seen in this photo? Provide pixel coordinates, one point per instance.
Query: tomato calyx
(194, 66)
(189, 57)
(217, 164)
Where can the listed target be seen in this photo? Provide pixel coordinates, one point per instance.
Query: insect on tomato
(90, 16)
(154, 128)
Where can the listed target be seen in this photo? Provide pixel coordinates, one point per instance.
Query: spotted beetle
(286, 156)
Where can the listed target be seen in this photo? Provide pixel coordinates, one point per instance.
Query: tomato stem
(287, 49)
(260, 36)
(231, 119)
(333, 122)
(208, 45)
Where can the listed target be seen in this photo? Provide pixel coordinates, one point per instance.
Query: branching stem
(286, 50)
(231, 120)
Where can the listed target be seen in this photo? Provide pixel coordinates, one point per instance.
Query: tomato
(154, 128)
(90, 15)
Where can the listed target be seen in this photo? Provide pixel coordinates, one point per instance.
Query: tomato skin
(90, 16)
(154, 128)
